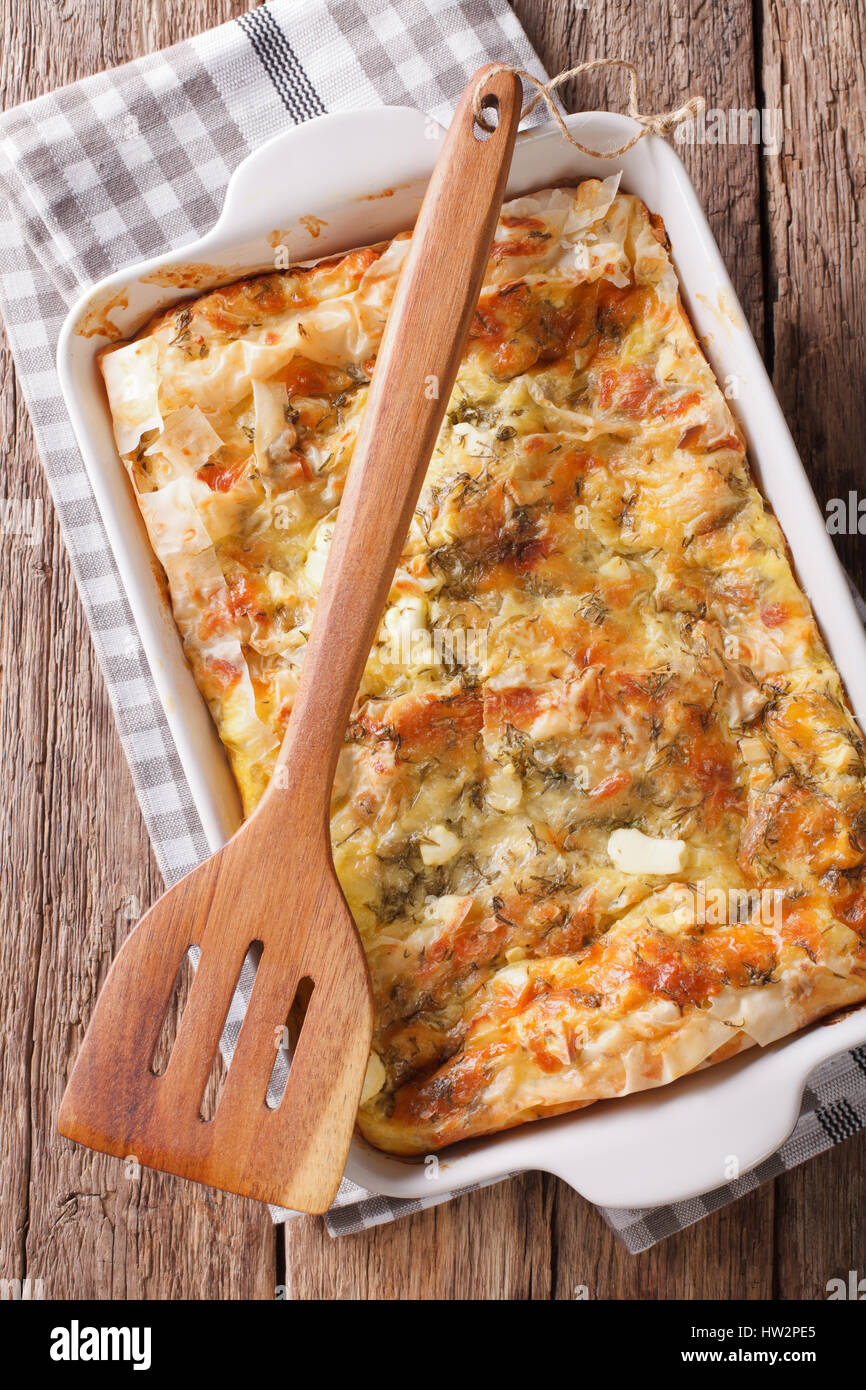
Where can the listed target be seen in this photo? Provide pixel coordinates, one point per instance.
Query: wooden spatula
(274, 882)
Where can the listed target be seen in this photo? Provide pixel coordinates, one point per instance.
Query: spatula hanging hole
(173, 1014)
(287, 1042)
(230, 1032)
(489, 120)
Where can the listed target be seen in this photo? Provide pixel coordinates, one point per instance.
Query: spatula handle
(414, 374)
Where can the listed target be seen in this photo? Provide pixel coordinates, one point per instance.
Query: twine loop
(656, 123)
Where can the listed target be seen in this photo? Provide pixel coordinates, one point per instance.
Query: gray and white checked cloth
(132, 163)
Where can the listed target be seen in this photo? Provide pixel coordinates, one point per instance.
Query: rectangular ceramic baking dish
(348, 180)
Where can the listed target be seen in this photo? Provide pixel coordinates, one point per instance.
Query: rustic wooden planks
(813, 68)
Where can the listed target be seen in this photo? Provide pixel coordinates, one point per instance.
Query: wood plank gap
(768, 344)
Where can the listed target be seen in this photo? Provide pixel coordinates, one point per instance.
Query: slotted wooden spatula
(274, 882)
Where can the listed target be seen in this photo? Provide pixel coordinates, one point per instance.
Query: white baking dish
(347, 180)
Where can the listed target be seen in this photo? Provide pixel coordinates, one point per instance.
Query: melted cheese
(595, 658)
(636, 853)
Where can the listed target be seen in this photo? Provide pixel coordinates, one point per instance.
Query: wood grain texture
(813, 67)
(76, 863)
(75, 1220)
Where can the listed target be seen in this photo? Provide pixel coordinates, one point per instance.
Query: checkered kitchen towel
(130, 163)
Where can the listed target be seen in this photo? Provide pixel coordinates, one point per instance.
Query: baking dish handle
(359, 157)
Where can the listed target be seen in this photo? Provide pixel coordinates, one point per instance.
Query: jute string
(659, 123)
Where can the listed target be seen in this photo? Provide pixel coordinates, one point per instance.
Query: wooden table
(76, 860)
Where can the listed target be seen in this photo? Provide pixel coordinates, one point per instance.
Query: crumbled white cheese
(440, 845)
(406, 623)
(478, 443)
(616, 568)
(636, 853)
(446, 908)
(504, 790)
(550, 723)
(407, 615)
